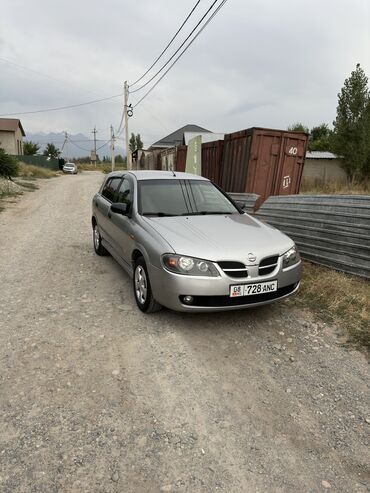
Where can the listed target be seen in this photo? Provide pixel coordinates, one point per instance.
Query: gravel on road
(96, 396)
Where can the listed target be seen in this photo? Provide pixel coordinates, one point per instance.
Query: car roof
(158, 175)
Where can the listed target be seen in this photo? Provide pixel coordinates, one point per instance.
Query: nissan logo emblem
(251, 257)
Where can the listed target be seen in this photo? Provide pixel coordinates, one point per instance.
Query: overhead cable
(168, 45)
(62, 107)
(183, 51)
(178, 49)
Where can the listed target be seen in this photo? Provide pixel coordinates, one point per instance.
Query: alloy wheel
(141, 284)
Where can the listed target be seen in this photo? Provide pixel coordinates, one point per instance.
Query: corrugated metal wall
(249, 200)
(332, 230)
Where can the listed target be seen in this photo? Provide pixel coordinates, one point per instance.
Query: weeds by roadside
(335, 188)
(340, 298)
(30, 171)
(104, 168)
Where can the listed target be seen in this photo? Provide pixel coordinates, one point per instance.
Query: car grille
(268, 265)
(217, 301)
(234, 269)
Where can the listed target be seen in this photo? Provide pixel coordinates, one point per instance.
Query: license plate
(251, 289)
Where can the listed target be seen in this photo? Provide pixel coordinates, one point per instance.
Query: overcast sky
(258, 63)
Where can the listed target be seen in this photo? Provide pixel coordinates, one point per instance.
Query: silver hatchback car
(188, 246)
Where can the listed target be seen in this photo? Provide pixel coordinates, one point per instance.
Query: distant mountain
(78, 144)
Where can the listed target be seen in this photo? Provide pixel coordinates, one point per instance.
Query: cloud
(257, 63)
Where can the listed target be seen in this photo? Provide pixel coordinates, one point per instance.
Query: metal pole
(94, 132)
(128, 152)
(112, 146)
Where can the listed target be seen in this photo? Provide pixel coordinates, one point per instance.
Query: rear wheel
(98, 247)
(142, 289)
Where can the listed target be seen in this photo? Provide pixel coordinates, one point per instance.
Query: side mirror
(120, 208)
(240, 203)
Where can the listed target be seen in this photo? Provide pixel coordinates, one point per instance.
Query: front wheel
(142, 289)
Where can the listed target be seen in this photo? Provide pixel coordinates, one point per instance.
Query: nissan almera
(188, 246)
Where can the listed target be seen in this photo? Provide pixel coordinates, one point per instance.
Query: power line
(63, 107)
(183, 51)
(80, 147)
(168, 45)
(178, 49)
(105, 143)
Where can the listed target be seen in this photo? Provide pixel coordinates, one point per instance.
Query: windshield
(182, 198)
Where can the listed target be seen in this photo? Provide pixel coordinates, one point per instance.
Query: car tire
(98, 247)
(142, 289)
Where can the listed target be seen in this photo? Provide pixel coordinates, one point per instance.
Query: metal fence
(332, 230)
(248, 200)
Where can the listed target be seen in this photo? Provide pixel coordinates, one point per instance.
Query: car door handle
(109, 215)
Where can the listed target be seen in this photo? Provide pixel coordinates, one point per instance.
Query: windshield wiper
(204, 213)
(158, 214)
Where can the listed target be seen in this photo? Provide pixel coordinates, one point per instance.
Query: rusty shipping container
(263, 161)
(173, 158)
(212, 159)
(181, 157)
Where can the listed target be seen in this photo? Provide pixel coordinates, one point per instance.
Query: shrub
(8, 165)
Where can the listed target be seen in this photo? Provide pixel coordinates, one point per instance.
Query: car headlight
(190, 266)
(291, 257)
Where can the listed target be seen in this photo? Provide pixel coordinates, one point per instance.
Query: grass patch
(104, 168)
(30, 171)
(335, 188)
(340, 298)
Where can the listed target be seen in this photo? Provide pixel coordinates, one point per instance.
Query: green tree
(139, 142)
(351, 137)
(8, 165)
(135, 142)
(320, 138)
(30, 148)
(51, 150)
(298, 127)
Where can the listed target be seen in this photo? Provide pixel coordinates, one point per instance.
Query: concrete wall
(12, 142)
(322, 172)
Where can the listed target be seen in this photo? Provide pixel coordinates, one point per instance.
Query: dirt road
(97, 397)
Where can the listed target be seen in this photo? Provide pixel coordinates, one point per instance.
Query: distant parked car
(188, 246)
(70, 168)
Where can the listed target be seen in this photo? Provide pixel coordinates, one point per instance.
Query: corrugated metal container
(173, 158)
(181, 158)
(168, 159)
(212, 159)
(263, 161)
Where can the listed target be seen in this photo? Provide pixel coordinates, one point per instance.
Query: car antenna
(173, 172)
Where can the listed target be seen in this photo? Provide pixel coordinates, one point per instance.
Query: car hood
(221, 237)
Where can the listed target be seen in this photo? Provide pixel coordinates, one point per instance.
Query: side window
(110, 188)
(125, 192)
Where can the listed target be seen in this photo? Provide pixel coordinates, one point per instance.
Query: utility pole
(128, 152)
(94, 155)
(112, 139)
(65, 143)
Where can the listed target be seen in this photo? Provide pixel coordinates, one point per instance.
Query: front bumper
(212, 293)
